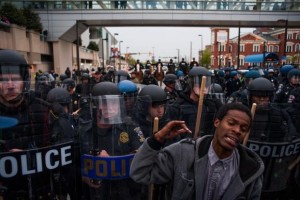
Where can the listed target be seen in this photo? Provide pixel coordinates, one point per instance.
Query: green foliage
(131, 61)
(13, 14)
(22, 17)
(32, 20)
(206, 57)
(93, 46)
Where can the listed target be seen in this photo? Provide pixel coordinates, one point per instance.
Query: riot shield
(32, 165)
(115, 138)
(274, 138)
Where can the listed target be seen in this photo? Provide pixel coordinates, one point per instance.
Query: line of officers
(112, 118)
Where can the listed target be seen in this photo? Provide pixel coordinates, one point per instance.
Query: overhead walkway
(60, 17)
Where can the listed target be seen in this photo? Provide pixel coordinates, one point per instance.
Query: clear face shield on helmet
(110, 109)
(196, 83)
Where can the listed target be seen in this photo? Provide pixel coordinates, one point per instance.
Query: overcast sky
(164, 41)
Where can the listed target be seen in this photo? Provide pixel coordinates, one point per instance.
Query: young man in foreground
(211, 167)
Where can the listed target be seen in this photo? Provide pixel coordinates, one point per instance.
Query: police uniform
(183, 66)
(30, 133)
(171, 67)
(283, 92)
(185, 109)
(117, 138)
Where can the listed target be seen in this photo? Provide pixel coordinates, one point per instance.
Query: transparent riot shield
(115, 138)
(32, 165)
(275, 139)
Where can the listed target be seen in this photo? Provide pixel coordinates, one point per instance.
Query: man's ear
(217, 122)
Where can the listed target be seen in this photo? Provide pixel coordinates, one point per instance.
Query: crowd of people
(76, 137)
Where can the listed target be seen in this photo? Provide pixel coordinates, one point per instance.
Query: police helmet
(227, 69)
(127, 87)
(293, 72)
(105, 88)
(68, 83)
(62, 77)
(170, 78)
(14, 62)
(284, 70)
(59, 95)
(195, 78)
(121, 75)
(156, 94)
(233, 73)
(85, 76)
(179, 73)
(221, 73)
(261, 87)
(252, 74)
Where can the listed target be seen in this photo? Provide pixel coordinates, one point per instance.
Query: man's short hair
(222, 112)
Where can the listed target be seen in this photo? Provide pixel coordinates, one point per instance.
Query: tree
(93, 46)
(13, 14)
(206, 57)
(32, 20)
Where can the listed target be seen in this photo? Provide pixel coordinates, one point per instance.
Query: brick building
(224, 51)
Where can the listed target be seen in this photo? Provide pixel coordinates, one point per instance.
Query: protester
(212, 167)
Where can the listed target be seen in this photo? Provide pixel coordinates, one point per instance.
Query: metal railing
(208, 5)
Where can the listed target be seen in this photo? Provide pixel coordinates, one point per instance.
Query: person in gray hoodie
(210, 167)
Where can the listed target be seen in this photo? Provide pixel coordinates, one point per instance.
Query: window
(297, 48)
(255, 48)
(230, 48)
(271, 48)
(276, 48)
(242, 48)
(298, 37)
(289, 36)
(289, 48)
(241, 61)
(221, 47)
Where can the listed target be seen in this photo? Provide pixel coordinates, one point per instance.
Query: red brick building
(224, 51)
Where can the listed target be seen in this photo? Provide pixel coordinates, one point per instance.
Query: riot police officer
(112, 135)
(130, 91)
(272, 124)
(148, 78)
(138, 66)
(272, 78)
(30, 134)
(69, 85)
(84, 88)
(151, 103)
(159, 63)
(184, 67)
(172, 85)
(234, 84)
(65, 179)
(186, 106)
(241, 95)
(193, 63)
(283, 92)
(171, 67)
(148, 64)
